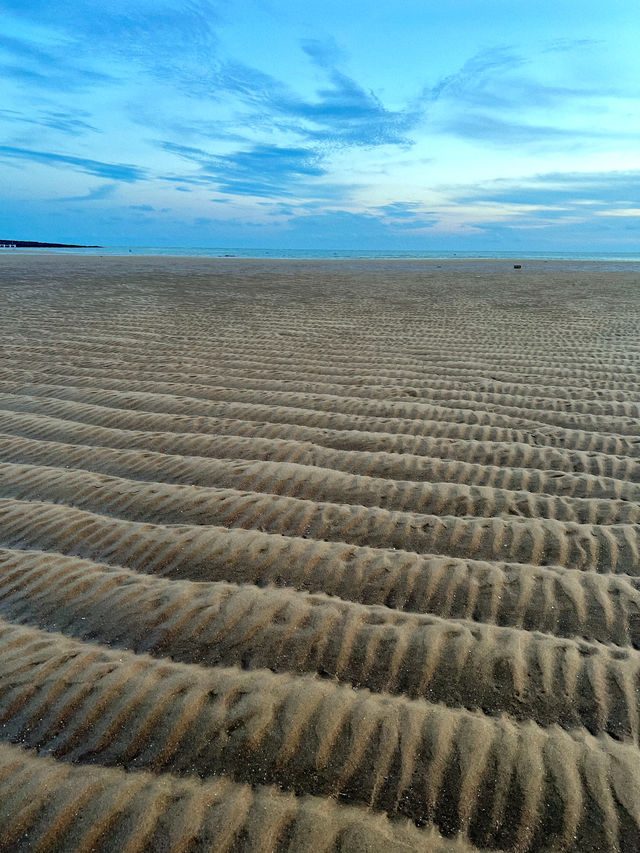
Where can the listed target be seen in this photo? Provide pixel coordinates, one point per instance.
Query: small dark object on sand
(517, 266)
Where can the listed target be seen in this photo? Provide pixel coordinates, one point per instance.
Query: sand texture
(319, 556)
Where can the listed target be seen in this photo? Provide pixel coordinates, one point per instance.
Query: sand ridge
(319, 556)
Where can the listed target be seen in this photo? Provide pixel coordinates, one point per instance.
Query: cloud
(346, 114)
(188, 152)
(342, 113)
(26, 50)
(48, 68)
(56, 79)
(564, 45)
(407, 215)
(400, 209)
(182, 179)
(581, 189)
(143, 207)
(554, 206)
(115, 171)
(261, 170)
(63, 121)
(473, 82)
(185, 125)
(485, 128)
(103, 191)
(344, 229)
(325, 53)
(162, 47)
(623, 211)
(492, 78)
(174, 42)
(489, 85)
(503, 97)
(338, 229)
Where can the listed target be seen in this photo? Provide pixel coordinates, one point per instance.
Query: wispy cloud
(187, 152)
(261, 170)
(564, 45)
(408, 216)
(623, 211)
(550, 206)
(400, 209)
(169, 40)
(503, 97)
(485, 128)
(342, 113)
(325, 53)
(96, 194)
(559, 188)
(187, 125)
(49, 68)
(60, 120)
(475, 81)
(502, 77)
(114, 171)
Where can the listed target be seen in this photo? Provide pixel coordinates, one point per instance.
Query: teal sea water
(344, 254)
(324, 254)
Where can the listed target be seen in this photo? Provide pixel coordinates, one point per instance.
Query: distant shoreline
(31, 244)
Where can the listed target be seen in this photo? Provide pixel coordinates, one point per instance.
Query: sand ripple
(308, 557)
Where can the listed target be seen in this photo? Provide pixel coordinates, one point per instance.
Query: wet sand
(333, 555)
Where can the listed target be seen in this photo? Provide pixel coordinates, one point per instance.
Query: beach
(319, 555)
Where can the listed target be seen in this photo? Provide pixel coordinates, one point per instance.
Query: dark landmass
(30, 244)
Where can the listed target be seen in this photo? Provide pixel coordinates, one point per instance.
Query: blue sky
(272, 123)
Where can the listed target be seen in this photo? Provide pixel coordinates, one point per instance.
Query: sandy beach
(319, 556)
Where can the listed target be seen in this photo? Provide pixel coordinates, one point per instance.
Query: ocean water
(343, 254)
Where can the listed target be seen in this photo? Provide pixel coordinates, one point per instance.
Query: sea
(340, 254)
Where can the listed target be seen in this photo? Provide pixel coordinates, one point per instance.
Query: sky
(403, 125)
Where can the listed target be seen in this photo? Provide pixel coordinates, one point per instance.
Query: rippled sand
(317, 556)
